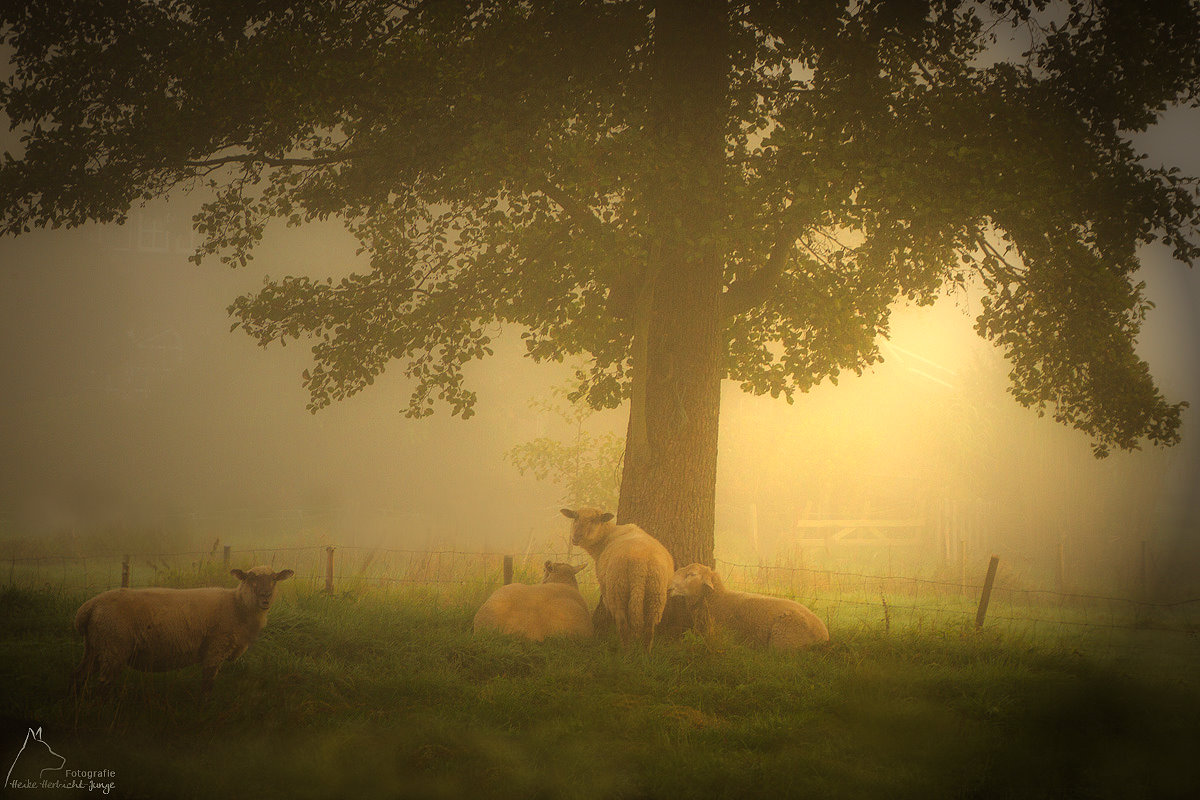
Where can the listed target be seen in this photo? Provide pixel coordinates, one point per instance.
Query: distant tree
(585, 465)
(684, 191)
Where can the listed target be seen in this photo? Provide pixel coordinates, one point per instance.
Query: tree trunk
(668, 485)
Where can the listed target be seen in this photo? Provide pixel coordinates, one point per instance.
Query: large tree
(683, 191)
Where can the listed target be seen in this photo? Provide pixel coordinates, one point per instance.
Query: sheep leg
(650, 616)
(213, 656)
(602, 618)
(107, 647)
(654, 605)
(82, 672)
(620, 614)
(622, 620)
(635, 613)
(105, 668)
(614, 598)
(208, 674)
(649, 625)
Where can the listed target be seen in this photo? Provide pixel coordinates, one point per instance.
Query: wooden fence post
(986, 597)
(329, 569)
(508, 570)
(225, 558)
(125, 573)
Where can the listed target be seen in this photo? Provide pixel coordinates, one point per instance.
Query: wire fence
(889, 594)
(847, 600)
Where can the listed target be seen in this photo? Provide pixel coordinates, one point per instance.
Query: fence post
(329, 569)
(508, 570)
(125, 573)
(986, 597)
(225, 558)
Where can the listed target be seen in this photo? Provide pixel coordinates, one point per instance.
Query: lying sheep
(156, 630)
(754, 619)
(553, 607)
(633, 568)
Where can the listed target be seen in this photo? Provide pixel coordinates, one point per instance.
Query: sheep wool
(157, 630)
(754, 619)
(633, 568)
(553, 607)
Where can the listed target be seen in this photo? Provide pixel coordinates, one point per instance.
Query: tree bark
(668, 485)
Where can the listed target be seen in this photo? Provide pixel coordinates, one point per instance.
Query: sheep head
(258, 585)
(559, 572)
(589, 526)
(695, 582)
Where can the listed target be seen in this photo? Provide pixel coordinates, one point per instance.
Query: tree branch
(746, 293)
(624, 291)
(258, 158)
(576, 209)
(1011, 273)
(817, 256)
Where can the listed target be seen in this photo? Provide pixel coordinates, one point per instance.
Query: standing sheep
(633, 568)
(553, 607)
(156, 630)
(773, 622)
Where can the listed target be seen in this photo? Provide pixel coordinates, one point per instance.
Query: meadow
(371, 693)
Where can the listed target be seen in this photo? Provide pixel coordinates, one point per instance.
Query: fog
(128, 408)
(129, 403)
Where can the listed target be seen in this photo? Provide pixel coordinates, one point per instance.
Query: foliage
(586, 465)
(494, 159)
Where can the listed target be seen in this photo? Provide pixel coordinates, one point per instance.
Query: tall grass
(389, 694)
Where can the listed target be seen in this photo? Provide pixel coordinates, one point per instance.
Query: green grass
(378, 694)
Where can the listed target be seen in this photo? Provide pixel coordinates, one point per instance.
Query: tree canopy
(505, 162)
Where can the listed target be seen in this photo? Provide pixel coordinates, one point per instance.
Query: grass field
(377, 694)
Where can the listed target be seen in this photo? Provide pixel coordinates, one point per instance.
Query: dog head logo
(34, 759)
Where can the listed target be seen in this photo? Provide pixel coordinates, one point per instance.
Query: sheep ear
(580, 568)
(284, 574)
(237, 573)
(605, 517)
(568, 513)
(708, 579)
